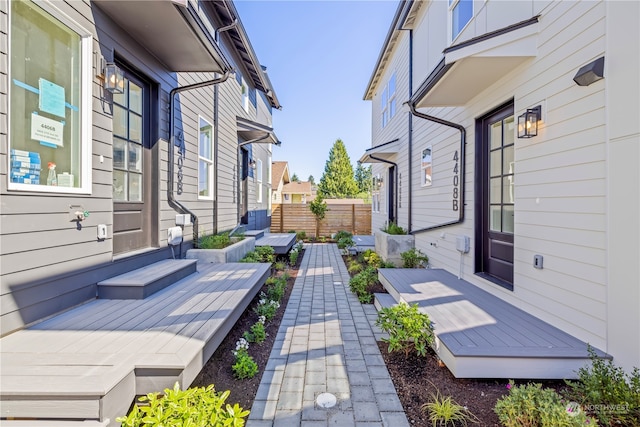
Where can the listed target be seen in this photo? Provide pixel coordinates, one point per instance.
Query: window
(269, 172)
(388, 100)
(461, 12)
(205, 160)
(50, 101)
(245, 95)
(425, 166)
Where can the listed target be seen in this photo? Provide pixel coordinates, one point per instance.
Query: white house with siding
(185, 136)
(552, 220)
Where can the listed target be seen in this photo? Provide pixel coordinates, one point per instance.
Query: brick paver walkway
(326, 344)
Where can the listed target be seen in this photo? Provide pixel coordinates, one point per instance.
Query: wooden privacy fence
(355, 218)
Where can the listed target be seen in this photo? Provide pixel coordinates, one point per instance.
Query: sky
(319, 56)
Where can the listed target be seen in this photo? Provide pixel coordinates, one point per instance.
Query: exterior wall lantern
(252, 164)
(528, 122)
(113, 78)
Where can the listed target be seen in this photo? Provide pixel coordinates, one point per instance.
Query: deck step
(145, 281)
(281, 242)
(256, 234)
(383, 300)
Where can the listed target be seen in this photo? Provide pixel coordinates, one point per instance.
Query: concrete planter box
(390, 246)
(233, 253)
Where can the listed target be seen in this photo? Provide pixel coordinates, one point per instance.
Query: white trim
(259, 179)
(206, 160)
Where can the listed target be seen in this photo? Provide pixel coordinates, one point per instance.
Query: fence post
(353, 219)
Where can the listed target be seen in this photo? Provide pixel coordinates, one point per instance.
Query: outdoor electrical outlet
(537, 261)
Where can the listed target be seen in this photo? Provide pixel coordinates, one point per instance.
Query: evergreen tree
(337, 180)
(294, 178)
(311, 180)
(363, 178)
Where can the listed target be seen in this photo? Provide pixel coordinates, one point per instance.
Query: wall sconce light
(590, 73)
(528, 122)
(252, 164)
(113, 78)
(379, 181)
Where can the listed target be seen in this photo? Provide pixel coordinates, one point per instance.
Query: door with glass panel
(132, 215)
(498, 178)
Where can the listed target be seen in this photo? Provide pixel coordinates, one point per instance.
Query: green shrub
(393, 228)
(245, 366)
(607, 392)
(280, 266)
(251, 256)
(360, 283)
(256, 334)
(216, 241)
(266, 307)
(444, 411)
(407, 327)
(301, 235)
(196, 407)
(413, 258)
(293, 257)
(387, 264)
(266, 254)
(371, 258)
(275, 290)
(354, 267)
(530, 405)
(342, 234)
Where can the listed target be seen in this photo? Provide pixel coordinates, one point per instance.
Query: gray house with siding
(505, 139)
(95, 168)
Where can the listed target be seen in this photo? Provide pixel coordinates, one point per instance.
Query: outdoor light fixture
(113, 78)
(528, 122)
(590, 73)
(379, 180)
(252, 164)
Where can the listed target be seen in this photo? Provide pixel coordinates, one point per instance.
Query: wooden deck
(281, 242)
(364, 242)
(90, 362)
(479, 335)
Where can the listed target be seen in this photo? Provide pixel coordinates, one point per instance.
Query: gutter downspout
(463, 141)
(239, 156)
(410, 141)
(176, 205)
(395, 184)
(216, 137)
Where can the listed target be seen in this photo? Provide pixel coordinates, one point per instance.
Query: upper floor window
(205, 160)
(461, 12)
(245, 95)
(425, 166)
(388, 100)
(269, 170)
(50, 101)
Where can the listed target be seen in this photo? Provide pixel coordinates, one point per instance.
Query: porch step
(479, 335)
(145, 281)
(256, 234)
(280, 242)
(382, 300)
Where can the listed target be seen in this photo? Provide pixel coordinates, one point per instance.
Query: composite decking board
(97, 372)
(513, 332)
(148, 274)
(281, 242)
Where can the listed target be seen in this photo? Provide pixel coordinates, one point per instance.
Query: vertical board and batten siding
(560, 200)
(396, 128)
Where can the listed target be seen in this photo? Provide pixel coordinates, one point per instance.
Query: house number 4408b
(456, 182)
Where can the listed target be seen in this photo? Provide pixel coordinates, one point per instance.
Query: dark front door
(496, 216)
(132, 208)
(392, 194)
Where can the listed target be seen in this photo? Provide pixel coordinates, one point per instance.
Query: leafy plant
(301, 235)
(407, 327)
(318, 207)
(276, 289)
(197, 407)
(293, 257)
(607, 392)
(393, 228)
(280, 266)
(372, 258)
(251, 256)
(444, 411)
(342, 234)
(214, 241)
(245, 366)
(266, 254)
(530, 405)
(257, 333)
(266, 307)
(387, 264)
(360, 283)
(413, 258)
(354, 267)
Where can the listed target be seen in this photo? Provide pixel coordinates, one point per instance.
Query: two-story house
(513, 126)
(121, 120)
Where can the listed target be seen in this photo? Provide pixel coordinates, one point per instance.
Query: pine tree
(312, 180)
(294, 178)
(337, 180)
(363, 177)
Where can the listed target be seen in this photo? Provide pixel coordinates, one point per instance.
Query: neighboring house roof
(298, 187)
(279, 173)
(228, 15)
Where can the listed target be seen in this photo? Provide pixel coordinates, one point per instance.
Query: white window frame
(388, 100)
(452, 6)
(205, 160)
(426, 167)
(244, 93)
(269, 170)
(259, 179)
(86, 112)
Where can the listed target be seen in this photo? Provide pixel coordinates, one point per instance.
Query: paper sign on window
(51, 98)
(46, 130)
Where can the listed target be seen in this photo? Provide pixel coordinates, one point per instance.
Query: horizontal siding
(560, 185)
